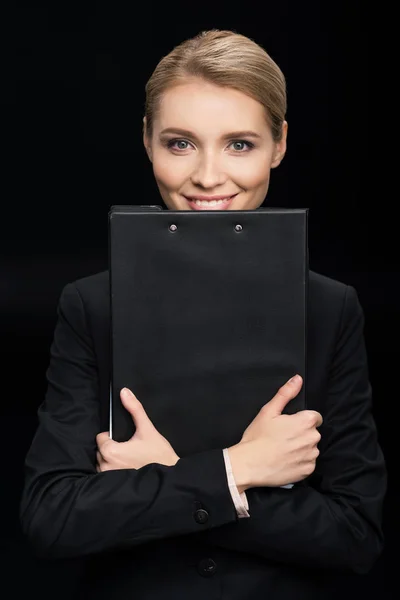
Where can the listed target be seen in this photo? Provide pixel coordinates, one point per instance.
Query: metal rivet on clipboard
(173, 227)
(238, 227)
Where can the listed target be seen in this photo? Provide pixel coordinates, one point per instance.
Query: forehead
(197, 100)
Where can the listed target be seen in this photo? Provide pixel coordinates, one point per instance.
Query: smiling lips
(209, 202)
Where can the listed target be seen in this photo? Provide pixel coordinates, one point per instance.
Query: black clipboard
(208, 318)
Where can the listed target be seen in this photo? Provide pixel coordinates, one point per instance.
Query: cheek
(169, 173)
(253, 173)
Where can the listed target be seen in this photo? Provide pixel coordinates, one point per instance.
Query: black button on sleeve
(207, 567)
(201, 516)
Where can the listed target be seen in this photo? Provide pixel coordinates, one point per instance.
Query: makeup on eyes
(169, 143)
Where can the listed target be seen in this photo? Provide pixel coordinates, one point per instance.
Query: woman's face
(210, 144)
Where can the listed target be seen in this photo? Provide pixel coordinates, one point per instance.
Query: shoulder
(93, 285)
(325, 288)
(90, 293)
(333, 299)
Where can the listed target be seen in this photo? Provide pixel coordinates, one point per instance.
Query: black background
(72, 107)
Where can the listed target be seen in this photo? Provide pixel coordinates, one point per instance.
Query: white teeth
(209, 202)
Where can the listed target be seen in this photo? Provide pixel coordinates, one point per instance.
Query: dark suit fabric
(137, 534)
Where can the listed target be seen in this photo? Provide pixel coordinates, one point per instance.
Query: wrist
(239, 468)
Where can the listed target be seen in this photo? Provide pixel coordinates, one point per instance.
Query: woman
(222, 523)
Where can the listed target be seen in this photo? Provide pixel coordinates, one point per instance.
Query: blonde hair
(225, 58)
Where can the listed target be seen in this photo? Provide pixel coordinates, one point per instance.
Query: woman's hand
(146, 446)
(277, 449)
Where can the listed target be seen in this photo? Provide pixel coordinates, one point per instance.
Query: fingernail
(294, 379)
(126, 392)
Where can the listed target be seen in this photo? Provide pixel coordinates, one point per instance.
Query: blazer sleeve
(67, 509)
(332, 520)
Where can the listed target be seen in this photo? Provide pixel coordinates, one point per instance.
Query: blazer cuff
(239, 500)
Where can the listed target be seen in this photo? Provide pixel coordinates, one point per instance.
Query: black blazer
(172, 532)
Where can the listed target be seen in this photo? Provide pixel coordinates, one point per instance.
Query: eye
(172, 143)
(248, 145)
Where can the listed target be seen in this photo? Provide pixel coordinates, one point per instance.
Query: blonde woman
(221, 524)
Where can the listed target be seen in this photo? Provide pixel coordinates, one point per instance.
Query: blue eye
(249, 145)
(172, 142)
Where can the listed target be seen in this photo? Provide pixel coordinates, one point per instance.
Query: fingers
(318, 419)
(137, 411)
(312, 418)
(283, 396)
(315, 453)
(99, 462)
(286, 393)
(102, 437)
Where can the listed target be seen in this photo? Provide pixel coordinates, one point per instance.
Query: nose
(208, 173)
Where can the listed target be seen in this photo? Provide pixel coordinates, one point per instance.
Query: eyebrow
(232, 134)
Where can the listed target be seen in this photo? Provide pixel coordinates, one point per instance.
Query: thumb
(283, 396)
(137, 411)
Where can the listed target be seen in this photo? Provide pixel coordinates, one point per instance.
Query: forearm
(315, 526)
(304, 528)
(70, 515)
